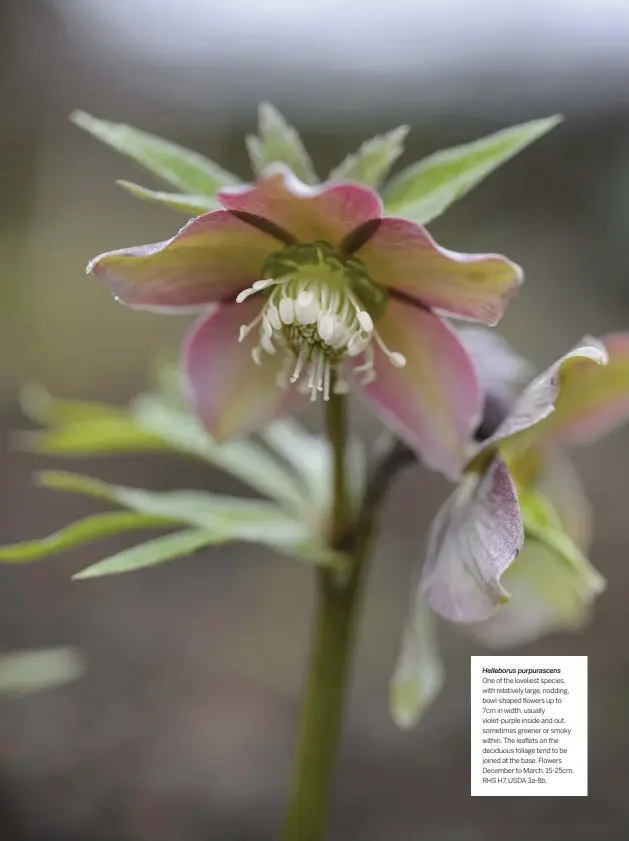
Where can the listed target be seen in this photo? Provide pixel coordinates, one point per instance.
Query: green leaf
(42, 408)
(154, 552)
(373, 161)
(179, 167)
(227, 518)
(309, 456)
(426, 189)
(95, 436)
(277, 142)
(243, 459)
(23, 672)
(189, 204)
(236, 518)
(419, 673)
(83, 531)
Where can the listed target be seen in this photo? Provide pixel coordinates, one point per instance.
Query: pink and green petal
(530, 421)
(328, 212)
(231, 394)
(403, 256)
(475, 538)
(560, 484)
(596, 399)
(434, 402)
(548, 594)
(212, 257)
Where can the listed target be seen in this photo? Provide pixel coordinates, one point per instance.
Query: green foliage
(83, 531)
(426, 189)
(246, 460)
(96, 436)
(215, 519)
(278, 142)
(153, 552)
(289, 466)
(179, 167)
(236, 518)
(22, 672)
(371, 164)
(191, 205)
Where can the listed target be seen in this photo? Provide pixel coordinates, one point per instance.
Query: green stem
(338, 602)
(322, 711)
(326, 683)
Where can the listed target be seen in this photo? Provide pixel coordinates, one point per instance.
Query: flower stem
(326, 683)
(338, 602)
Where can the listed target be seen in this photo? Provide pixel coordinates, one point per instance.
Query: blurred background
(182, 729)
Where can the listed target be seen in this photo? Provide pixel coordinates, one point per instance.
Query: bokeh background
(182, 728)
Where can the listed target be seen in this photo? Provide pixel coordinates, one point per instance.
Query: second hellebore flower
(306, 289)
(519, 492)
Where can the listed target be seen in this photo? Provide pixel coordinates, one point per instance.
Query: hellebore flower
(519, 484)
(506, 554)
(306, 289)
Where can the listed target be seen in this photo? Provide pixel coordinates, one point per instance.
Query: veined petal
(404, 257)
(232, 394)
(212, 257)
(329, 212)
(530, 421)
(547, 594)
(434, 402)
(474, 539)
(595, 399)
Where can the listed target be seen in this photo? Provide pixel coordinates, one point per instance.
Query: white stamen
(267, 344)
(326, 381)
(305, 298)
(365, 321)
(242, 296)
(326, 326)
(313, 371)
(262, 284)
(306, 308)
(283, 376)
(368, 364)
(315, 326)
(299, 364)
(341, 336)
(274, 317)
(247, 328)
(257, 286)
(357, 344)
(287, 310)
(395, 358)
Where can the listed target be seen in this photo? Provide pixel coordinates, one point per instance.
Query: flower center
(319, 311)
